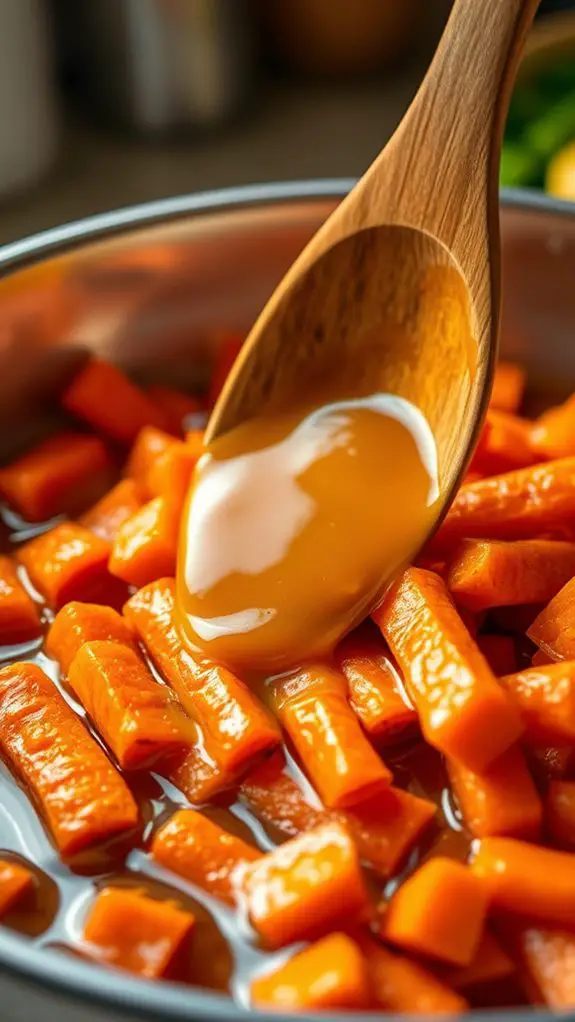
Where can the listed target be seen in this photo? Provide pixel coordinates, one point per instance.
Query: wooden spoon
(399, 290)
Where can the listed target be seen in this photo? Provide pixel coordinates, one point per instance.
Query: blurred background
(110, 102)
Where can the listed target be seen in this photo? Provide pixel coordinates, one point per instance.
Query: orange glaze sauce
(296, 524)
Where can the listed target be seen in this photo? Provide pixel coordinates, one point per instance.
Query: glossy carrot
(492, 573)
(332, 973)
(560, 813)
(502, 800)
(402, 985)
(106, 517)
(81, 795)
(275, 799)
(507, 445)
(490, 963)
(15, 882)
(508, 386)
(312, 707)
(127, 929)
(171, 472)
(552, 434)
(553, 630)
(62, 475)
(70, 563)
(545, 696)
(175, 404)
(545, 958)
(438, 912)
(136, 715)
(146, 545)
(149, 444)
(19, 617)
(78, 623)
(197, 849)
(239, 726)
(375, 691)
(199, 775)
(310, 884)
(463, 711)
(527, 880)
(500, 651)
(104, 397)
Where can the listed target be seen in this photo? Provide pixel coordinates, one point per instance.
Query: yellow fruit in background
(560, 177)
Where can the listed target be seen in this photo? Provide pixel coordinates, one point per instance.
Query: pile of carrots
(470, 660)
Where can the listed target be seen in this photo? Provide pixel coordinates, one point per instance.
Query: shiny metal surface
(150, 287)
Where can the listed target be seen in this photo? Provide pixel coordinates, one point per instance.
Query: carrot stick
(491, 573)
(439, 912)
(508, 386)
(553, 630)
(227, 710)
(104, 397)
(491, 963)
(136, 716)
(19, 617)
(552, 433)
(402, 985)
(78, 623)
(80, 793)
(502, 800)
(332, 973)
(197, 849)
(545, 696)
(70, 563)
(149, 444)
(15, 882)
(131, 931)
(276, 800)
(375, 691)
(560, 812)
(312, 707)
(175, 404)
(507, 445)
(527, 880)
(62, 475)
(306, 886)
(500, 651)
(199, 775)
(146, 545)
(106, 517)
(463, 711)
(545, 958)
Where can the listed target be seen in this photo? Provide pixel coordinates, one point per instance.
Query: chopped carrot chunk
(553, 630)
(146, 545)
(527, 880)
(492, 573)
(545, 958)
(500, 651)
(462, 709)
(199, 775)
(545, 696)
(70, 563)
(104, 397)
(332, 973)
(502, 800)
(438, 912)
(131, 931)
(175, 404)
(172, 471)
(15, 882)
(19, 618)
(226, 709)
(77, 623)
(62, 475)
(305, 887)
(400, 984)
(106, 517)
(508, 386)
(275, 798)
(135, 714)
(375, 691)
(197, 849)
(560, 812)
(80, 793)
(312, 706)
(149, 445)
(489, 964)
(552, 435)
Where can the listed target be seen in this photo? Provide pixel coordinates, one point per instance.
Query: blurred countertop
(293, 131)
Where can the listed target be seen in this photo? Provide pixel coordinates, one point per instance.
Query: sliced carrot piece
(375, 691)
(545, 957)
(492, 573)
(78, 623)
(527, 880)
(199, 775)
(227, 710)
(107, 516)
(553, 630)
(15, 882)
(104, 397)
(172, 471)
(463, 711)
(149, 444)
(175, 404)
(79, 792)
(500, 651)
(19, 617)
(146, 545)
(508, 386)
(491, 963)
(197, 849)
(136, 715)
(312, 706)
(502, 800)
(560, 812)
(70, 563)
(131, 931)
(545, 697)
(306, 886)
(332, 973)
(552, 434)
(275, 798)
(438, 912)
(507, 445)
(62, 475)
(402, 985)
